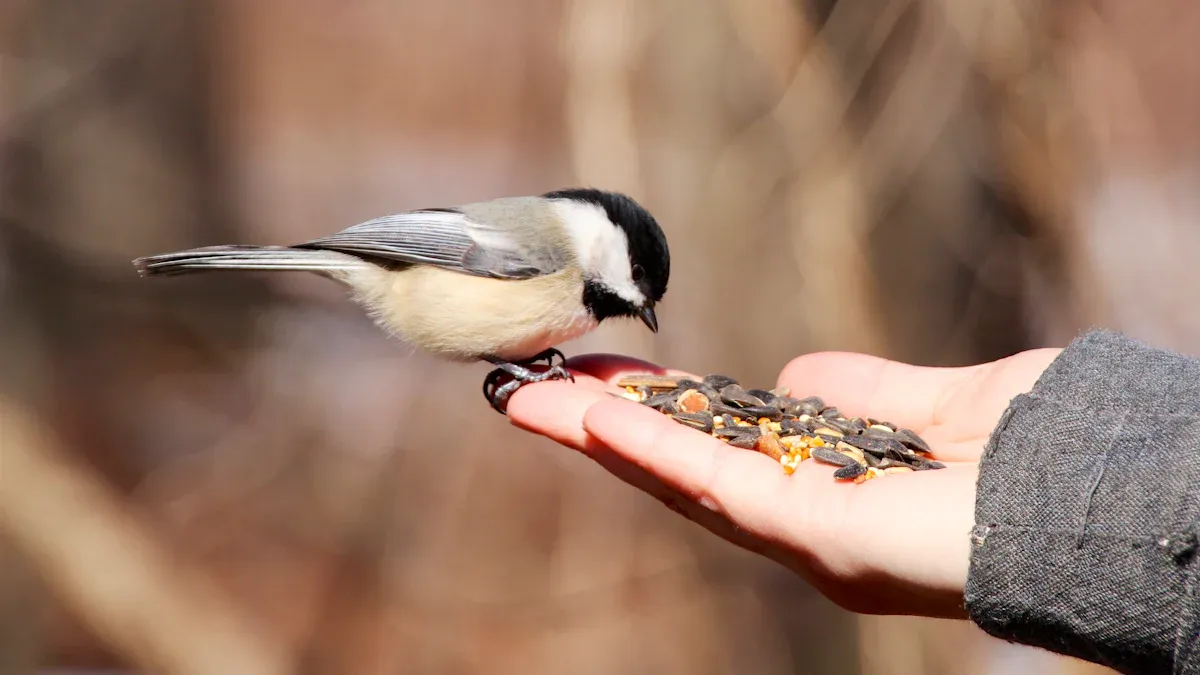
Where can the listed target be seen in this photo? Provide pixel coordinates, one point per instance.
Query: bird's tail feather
(278, 258)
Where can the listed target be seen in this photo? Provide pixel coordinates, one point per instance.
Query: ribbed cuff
(1086, 514)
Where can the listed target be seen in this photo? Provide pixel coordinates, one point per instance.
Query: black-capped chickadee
(502, 281)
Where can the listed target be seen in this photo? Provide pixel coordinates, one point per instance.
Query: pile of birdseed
(789, 430)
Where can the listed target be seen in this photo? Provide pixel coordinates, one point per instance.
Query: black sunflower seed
(740, 437)
(754, 412)
(897, 451)
(736, 431)
(720, 408)
(702, 420)
(872, 432)
(844, 426)
(789, 405)
(907, 437)
(850, 471)
(762, 394)
(831, 456)
(919, 464)
(830, 412)
(793, 427)
(718, 382)
(811, 405)
(657, 401)
(735, 395)
(875, 446)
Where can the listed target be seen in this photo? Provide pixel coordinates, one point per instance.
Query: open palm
(894, 545)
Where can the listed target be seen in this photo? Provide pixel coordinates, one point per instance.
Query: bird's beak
(646, 314)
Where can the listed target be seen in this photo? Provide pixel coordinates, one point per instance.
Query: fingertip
(610, 368)
(604, 366)
(819, 367)
(554, 409)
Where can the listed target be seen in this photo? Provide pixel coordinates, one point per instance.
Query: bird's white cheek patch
(602, 247)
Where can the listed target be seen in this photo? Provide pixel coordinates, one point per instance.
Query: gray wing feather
(447, 239)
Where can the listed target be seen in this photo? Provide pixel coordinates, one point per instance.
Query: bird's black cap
(647, 244)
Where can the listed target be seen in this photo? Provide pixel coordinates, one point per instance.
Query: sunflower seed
(746, 440)
(738, 431)
(856, 425)
(657, 401)
(872, 445)
(811, 405)
(841, 426)
(718, 382)
(762, 394)
(850, 471)
(756, 411)
(876, 432)
(721, 408)
(907, 437)
(702, 420)
(735, 395)
(831, 456)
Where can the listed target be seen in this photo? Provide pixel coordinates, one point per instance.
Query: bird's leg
(548, 357)
(498, 394)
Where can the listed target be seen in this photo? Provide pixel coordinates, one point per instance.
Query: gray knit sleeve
(1086, 516)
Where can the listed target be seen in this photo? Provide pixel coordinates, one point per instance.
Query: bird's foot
(547, 356)
(497, 394)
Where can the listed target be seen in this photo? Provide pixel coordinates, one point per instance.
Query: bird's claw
(497, 395)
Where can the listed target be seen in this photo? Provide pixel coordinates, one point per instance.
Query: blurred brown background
(240, 474)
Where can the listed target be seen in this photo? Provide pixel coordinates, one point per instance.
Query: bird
(502, 281)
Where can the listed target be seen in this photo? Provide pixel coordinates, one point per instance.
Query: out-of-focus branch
(107, 569)
(598, 45)
(829, 200)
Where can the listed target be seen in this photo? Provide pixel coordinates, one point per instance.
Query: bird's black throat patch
(603, 304)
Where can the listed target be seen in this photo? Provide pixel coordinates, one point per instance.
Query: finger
(739, 485)
(646, 481)
(611, 367)
(555, 408)
(982, 400)
(869, 386)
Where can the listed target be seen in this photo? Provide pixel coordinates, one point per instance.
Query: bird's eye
(638, 272)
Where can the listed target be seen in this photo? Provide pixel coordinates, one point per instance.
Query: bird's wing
(445, 238)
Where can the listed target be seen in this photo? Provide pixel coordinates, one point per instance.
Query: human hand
(898, 544)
